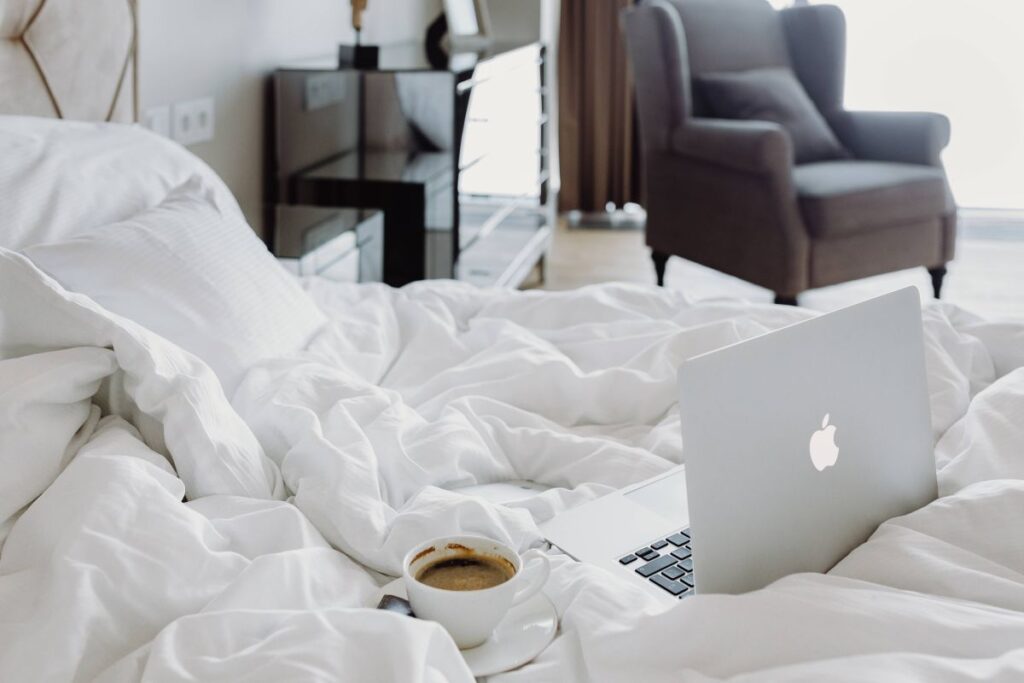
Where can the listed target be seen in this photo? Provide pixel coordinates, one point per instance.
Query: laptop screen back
(799, 443)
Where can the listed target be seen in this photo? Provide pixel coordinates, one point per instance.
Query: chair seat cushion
(843, 197)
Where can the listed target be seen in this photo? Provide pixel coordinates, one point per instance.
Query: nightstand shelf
(340, 244)
(485, 261)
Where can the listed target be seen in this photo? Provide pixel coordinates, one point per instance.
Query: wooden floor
(987, 276)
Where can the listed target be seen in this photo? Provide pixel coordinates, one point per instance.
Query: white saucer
(522, 635)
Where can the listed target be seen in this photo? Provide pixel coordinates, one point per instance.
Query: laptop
(797, 444)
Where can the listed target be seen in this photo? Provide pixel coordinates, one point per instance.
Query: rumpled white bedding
(408, 393)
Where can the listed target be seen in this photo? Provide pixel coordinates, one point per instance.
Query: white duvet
(354, 447)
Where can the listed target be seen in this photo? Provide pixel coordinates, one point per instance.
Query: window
(958, 57)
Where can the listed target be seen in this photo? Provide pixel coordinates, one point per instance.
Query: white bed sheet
(408, 393)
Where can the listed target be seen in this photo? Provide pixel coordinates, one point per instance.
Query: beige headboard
(72, 59)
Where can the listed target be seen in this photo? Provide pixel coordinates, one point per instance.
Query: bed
(210, 467)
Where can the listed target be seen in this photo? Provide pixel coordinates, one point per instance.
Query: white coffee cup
(470, 616)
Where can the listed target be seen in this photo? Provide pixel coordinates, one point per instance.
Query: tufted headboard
(72, 59)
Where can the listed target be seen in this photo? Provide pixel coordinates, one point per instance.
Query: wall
(225, 48)
(514, 20)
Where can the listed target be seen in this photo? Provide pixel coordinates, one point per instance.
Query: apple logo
(824, 451)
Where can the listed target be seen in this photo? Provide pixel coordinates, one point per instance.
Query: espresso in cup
(468, 583)
(467, 572)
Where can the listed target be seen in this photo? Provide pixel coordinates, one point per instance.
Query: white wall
(225, 48)
(515, 19)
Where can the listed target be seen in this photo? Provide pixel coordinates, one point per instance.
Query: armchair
(728, 194)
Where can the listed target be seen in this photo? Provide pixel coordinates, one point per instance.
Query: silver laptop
(797, 445)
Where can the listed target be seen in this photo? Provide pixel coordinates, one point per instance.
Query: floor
(987, 276)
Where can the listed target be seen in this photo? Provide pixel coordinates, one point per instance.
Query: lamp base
(358, 56)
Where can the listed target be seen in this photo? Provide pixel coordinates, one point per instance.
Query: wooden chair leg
(938, 275)
(786, 300)
(660, 261)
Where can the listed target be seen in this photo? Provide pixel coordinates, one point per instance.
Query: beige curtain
(596, 130)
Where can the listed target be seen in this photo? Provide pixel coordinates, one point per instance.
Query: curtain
(597, 136)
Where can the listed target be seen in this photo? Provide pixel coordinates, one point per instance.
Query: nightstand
(457, 154)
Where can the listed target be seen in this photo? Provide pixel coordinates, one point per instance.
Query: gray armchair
(728, 194)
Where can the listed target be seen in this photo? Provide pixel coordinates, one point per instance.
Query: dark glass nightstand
(456, 154)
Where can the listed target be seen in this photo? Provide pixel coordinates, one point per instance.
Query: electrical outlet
(194, 121)
(158, 120)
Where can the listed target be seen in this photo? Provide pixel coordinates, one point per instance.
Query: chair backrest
(816, 35)
(671, 41)
(661, 73)
(732, 35)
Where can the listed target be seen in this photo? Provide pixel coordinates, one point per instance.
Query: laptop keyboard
(666, 563)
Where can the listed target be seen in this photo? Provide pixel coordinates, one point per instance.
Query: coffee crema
(466, 573)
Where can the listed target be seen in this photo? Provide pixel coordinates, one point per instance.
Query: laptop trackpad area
(666, 496)
(606, 528)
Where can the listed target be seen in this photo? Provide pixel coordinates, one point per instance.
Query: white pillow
(193, 275)
(64, 178)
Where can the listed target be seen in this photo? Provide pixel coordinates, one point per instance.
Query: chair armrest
(907, 137)
(761, 147)
(726, 211)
